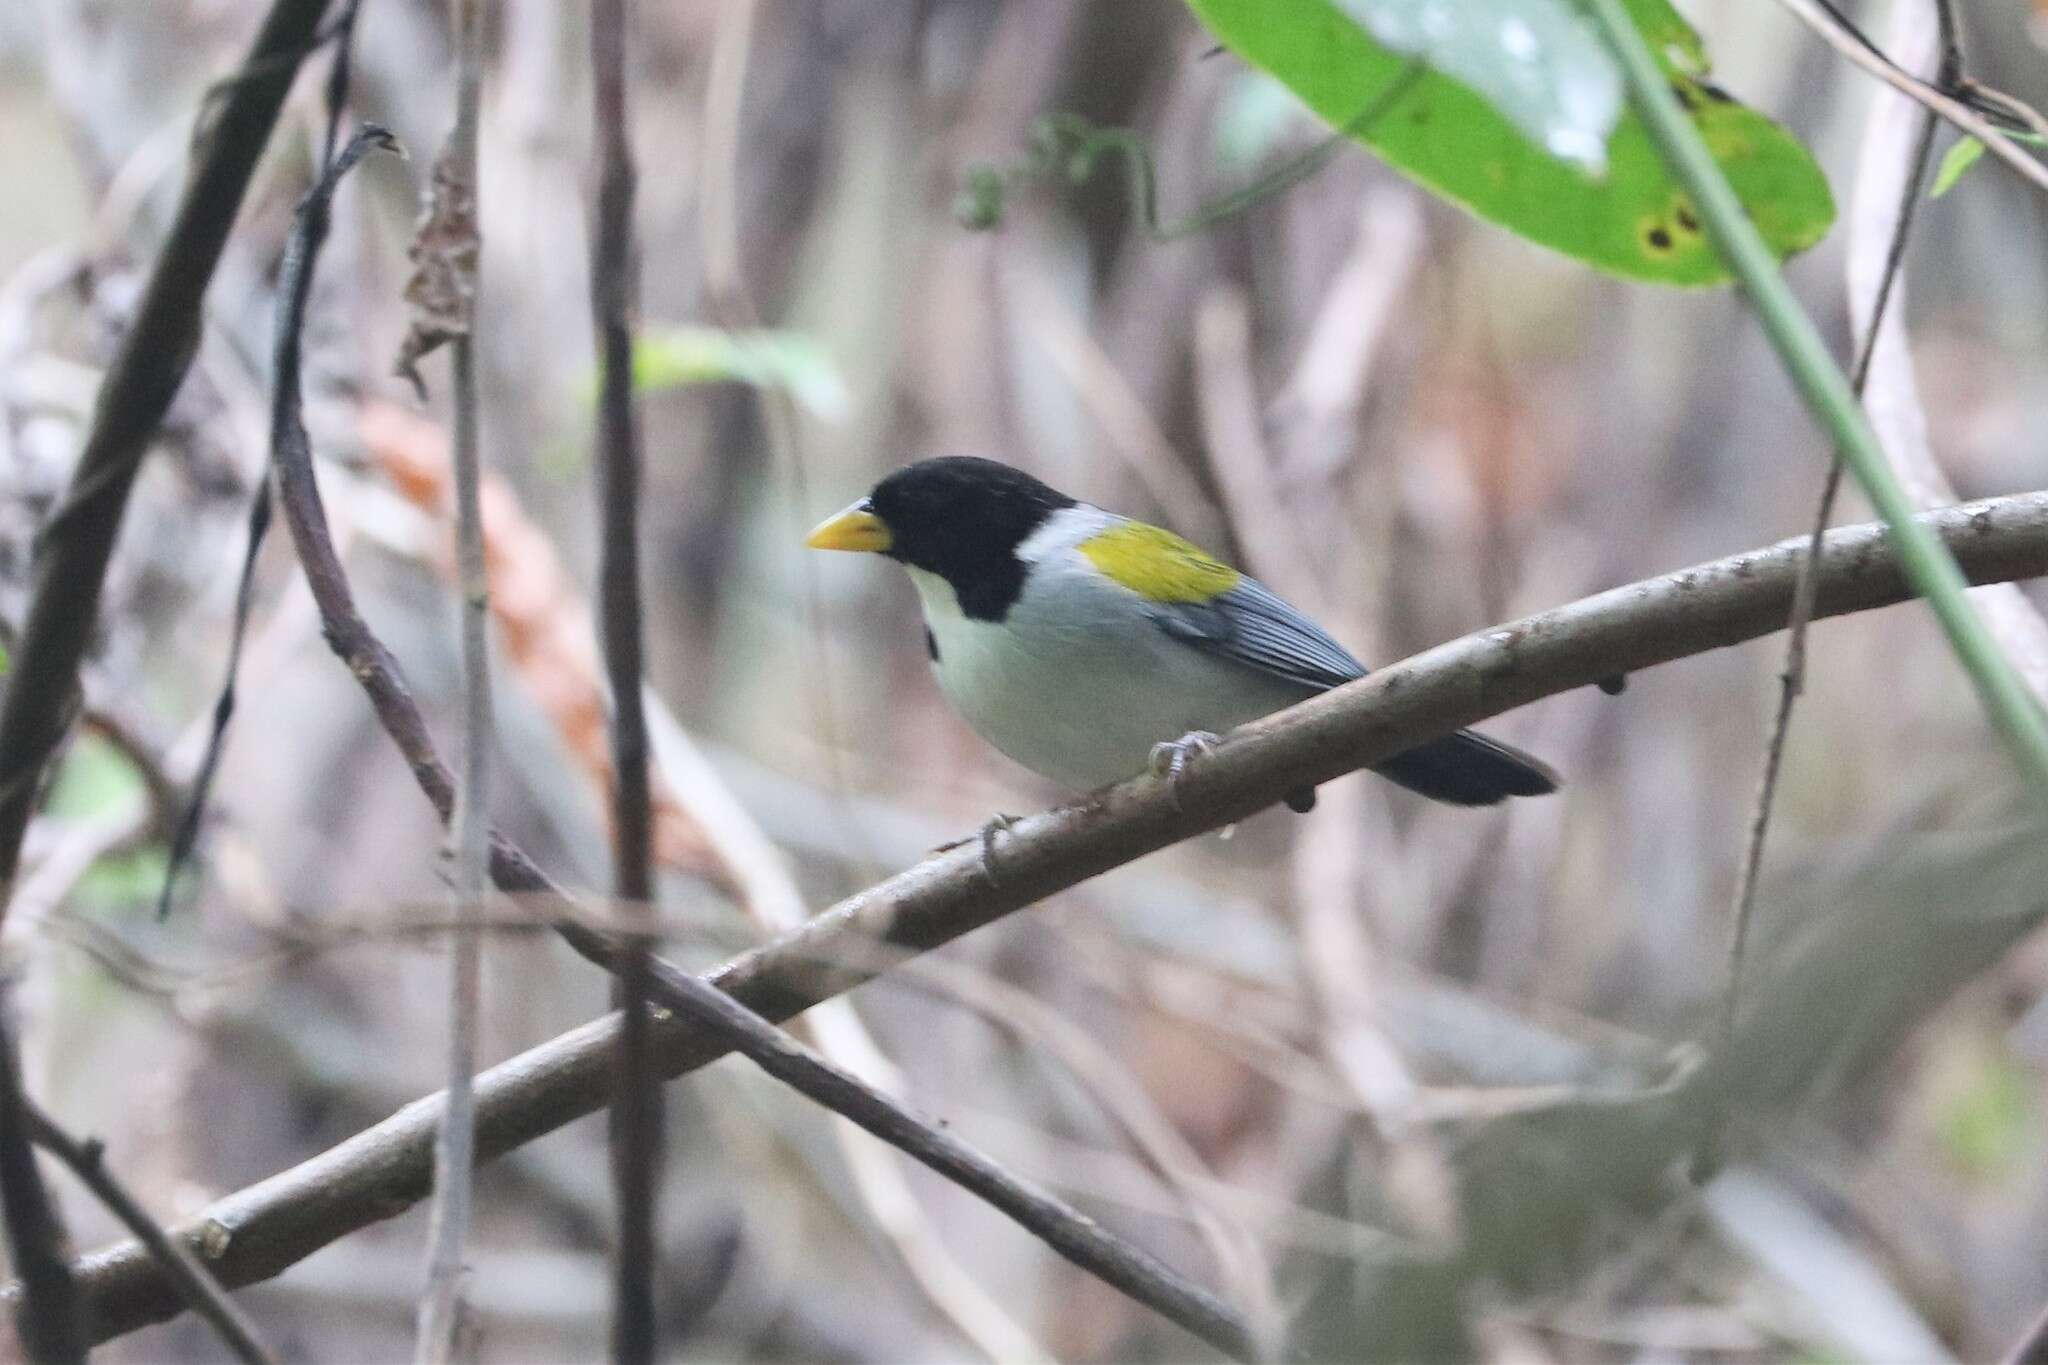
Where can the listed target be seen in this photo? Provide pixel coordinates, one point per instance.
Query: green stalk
(1928, 567)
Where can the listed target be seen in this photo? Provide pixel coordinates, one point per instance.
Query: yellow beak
(857, 528)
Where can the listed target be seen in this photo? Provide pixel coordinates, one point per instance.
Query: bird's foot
(999, 823)
(1171, 759)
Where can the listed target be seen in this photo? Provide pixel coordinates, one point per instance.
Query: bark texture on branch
(259, 1231)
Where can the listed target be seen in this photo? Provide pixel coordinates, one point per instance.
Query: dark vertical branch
(47, 1318)
(636, 1130)
(154, 356)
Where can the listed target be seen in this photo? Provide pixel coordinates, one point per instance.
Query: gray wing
(1251, 626)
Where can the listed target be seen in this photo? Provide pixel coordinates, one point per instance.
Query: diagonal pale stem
(1927, 565)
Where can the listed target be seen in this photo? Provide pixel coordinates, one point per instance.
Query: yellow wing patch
(1157, 564)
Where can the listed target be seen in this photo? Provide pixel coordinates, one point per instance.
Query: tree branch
(199, 1290)
(71, 565)
(636, 1126)
(46, 1315)
(715, 1015)
(1824, 389)
(447, 250)
(1913, 148)
(260, 1231)
(1936, 100)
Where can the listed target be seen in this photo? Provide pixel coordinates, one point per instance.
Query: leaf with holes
(1531, 170)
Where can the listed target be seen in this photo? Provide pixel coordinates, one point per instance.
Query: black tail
(1467, 769)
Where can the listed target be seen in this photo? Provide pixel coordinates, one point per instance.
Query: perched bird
(1086, 645)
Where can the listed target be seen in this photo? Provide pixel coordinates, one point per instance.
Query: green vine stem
(1928, 567)
(1066, 149)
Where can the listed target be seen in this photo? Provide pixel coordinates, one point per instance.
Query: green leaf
(1964, 155)
(94, 778)
(1634, 220)
(1991, 1123)
(680, 356)
(1536, 61)
(1251, 118)
(1954, 162)
(126, 880)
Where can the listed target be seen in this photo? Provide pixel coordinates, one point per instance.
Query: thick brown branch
(259, 1231)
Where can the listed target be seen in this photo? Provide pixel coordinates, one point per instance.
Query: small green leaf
(1992, 1123)
(978, 204)
(126, 880)
(1963, 155)
(679, 356)
(1634, 220)
(1954, 162)
(95, 778)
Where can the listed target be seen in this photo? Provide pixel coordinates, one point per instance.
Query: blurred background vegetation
(1259, 1055)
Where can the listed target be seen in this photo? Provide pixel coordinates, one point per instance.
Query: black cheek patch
(931, 644)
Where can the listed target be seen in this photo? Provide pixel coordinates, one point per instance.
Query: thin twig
(636, 1126)
(295, 286)
(258, 1232)
(1067, 1231)
(1792, 678)
(1811, 367)
(185, 837)
(450, 240)
(195, 1285)
(840, 1035)
(47, 1315)
(2010, 113)
(1040, 1027)
(1937, 101)
(713, 1013)
(71, 565)
(774, 905)
(1073, 145)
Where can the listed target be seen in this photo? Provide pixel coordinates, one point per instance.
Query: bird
(1090, 647)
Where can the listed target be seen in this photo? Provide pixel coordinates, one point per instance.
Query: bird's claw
(1171, 758)
(999, 823)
